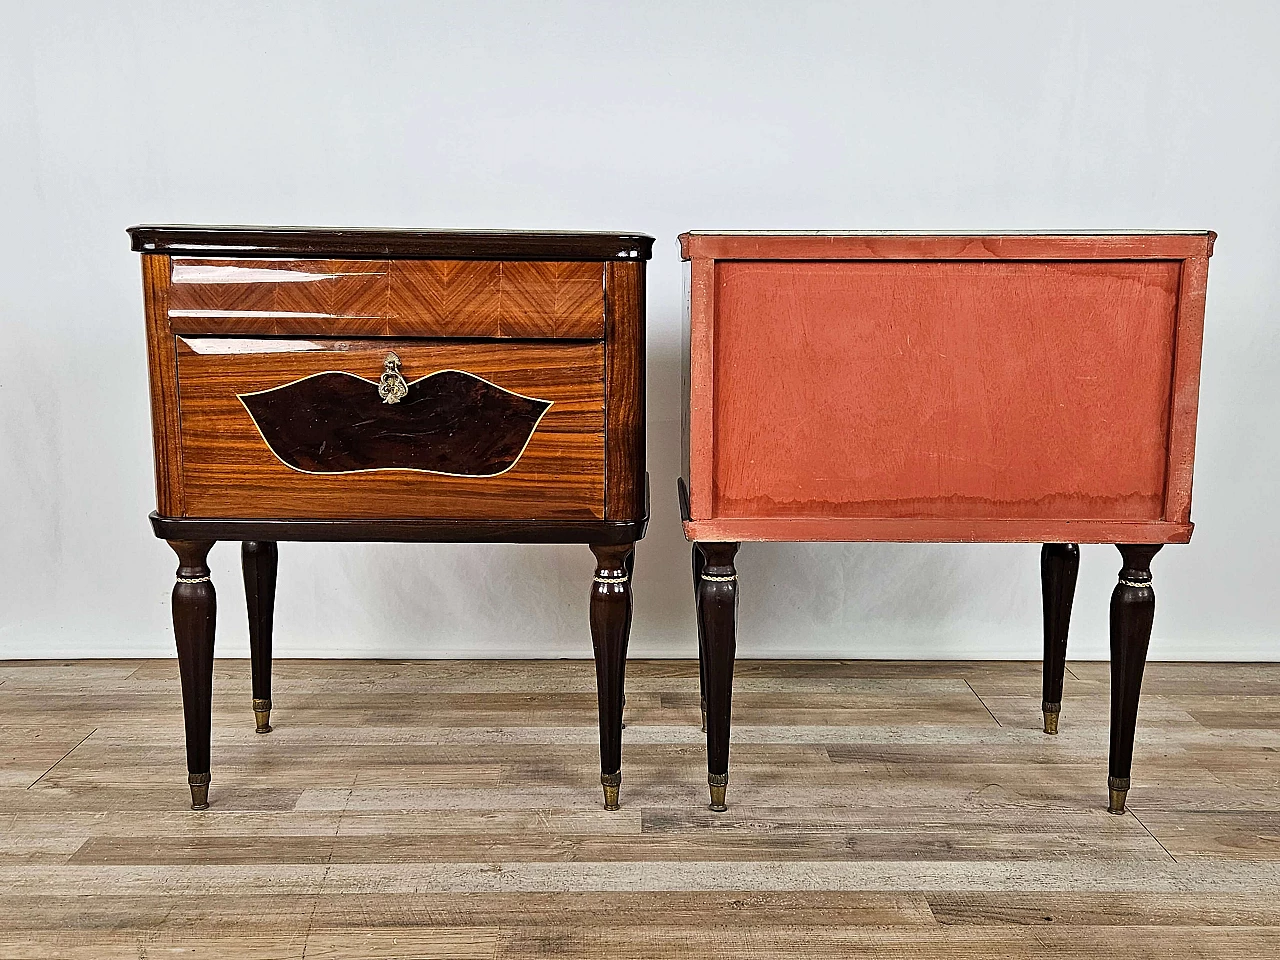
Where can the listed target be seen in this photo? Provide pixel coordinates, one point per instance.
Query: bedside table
(929, 388)
(392, 385)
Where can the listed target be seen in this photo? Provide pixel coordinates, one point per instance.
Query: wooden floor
(452, 809)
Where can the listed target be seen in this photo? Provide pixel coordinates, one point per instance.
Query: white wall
(643, 116)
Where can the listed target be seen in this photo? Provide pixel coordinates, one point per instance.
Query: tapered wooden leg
(717, 617)
(1059, 564)
(698, 563)
(1133, 609)
(195, 610)
(610, 628)
(259, 559)
(631, 568)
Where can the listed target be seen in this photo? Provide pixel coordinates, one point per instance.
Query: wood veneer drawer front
(409, 298)
(942, 390)
(298, 429)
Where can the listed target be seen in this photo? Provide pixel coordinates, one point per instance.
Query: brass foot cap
(704, 714)
(1051, 711)
(262, 714)
(718, 782)
(611, 783)
(199, 783)
(1117, 791)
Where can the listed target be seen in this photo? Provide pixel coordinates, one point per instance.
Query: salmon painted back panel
(887, 387)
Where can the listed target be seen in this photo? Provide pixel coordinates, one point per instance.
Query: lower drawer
(373, 429)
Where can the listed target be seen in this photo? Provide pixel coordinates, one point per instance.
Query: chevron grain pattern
(565, 298)
(416, 298)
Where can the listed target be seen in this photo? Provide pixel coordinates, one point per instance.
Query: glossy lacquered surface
(337, 385)
(449, 303)
(297, 429)
(376, 298)
(404, 531)
(449, 423)
(377, 243)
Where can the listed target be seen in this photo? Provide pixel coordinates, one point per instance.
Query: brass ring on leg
(718, 782)
(199, 783)
(1118, 791)
(262, 714)
(611, 783)
(1051, 711)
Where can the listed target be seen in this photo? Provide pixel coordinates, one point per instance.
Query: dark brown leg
(610, 627)
(195, 609)
(259, 558)
(1133, 608)
(1059, 564)
(631, 568)
(698, 563)
(717, 617)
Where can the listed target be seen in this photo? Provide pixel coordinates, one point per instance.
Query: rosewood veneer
(392, 385)
(904, 387)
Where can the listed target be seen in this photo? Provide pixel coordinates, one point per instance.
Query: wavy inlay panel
(450, 422)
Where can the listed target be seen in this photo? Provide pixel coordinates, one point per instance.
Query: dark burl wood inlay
(450, 422)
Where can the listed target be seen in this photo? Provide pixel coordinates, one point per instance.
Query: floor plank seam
(315, 905)
(63, 757)
(984, 704)
(151, 936)
(328, 867)
(1154, 837)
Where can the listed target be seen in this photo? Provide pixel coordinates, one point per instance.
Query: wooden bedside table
(392, 385)
(918, 387)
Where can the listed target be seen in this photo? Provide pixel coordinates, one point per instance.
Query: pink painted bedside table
(1030, 387)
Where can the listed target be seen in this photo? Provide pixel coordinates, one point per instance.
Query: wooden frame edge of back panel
(948, 246)
(898, 530)
(1191, 248)
(1184, 389)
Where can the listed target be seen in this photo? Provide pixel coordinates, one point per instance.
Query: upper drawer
(403, 298)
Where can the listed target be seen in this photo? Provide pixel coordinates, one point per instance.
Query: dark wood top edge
(403, 531)
(364, 243)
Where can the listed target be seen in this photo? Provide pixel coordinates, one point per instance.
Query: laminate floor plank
(1119, 909)
(407, 809)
